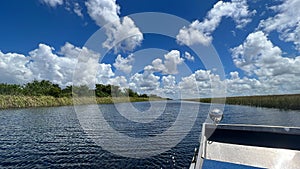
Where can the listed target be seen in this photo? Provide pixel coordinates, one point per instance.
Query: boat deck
(248, 145)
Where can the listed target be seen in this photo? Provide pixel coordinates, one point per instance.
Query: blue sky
(257, 43)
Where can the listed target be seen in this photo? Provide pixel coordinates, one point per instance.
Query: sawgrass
(8, 101)
(287, 102)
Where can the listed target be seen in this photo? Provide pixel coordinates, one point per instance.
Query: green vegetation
(291, 102)
(44, 93)
(8, 101)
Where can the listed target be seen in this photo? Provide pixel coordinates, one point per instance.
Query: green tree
(67, 92)
(41, 88)
(103, 90)
(131, 93)
(10, 89)
(143, 95)
(82, 90)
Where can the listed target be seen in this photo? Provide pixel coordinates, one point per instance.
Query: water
(55, 137)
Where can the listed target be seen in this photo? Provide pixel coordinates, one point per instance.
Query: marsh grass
(8, 101)
(286, 102)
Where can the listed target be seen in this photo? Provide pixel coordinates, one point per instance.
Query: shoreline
(284, 102)
(8, 101)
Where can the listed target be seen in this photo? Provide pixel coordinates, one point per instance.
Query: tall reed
(270, 101)
(11, 101)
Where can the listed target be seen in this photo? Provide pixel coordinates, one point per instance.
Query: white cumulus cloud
(122, 34)
(286, 22)
(103, 11)
(124, 64)
(169, 65)
(200, 32)
(202, 83)
(13, 68)
(144, 82)
(260, 57)
(169, 85)
(119, 81)
(44, 64)
(237, 86)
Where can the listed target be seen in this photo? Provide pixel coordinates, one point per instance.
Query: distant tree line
(47, 88)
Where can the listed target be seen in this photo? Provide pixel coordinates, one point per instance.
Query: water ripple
(53, 138)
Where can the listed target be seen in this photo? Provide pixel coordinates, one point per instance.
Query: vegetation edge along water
(286, 102)
(46, 94)
(7, 101)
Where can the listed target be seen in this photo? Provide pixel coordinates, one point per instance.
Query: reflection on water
(53, 137)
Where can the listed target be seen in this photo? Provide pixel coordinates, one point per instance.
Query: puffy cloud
(172, 59)
(187, 87)
(191, 35)
(157, 65)
(283, 84)
(168, 81)
(144, 82)
(13, 68)
(119, 81)
(122, 33)
(103, 11)
(147, 82)
(53, 3)
(169, 85)
(169, 66)
(43, 64)
(202, 83)
(90, 72)
(188, 56)
(47, 65)
(256, 48)
(245, 86)
(202, 75)
(188, 84)
(124, 64)
(258, 56)
(88, 69)
(234, 75)
(104, 73)
(200, 32)
(286, 22)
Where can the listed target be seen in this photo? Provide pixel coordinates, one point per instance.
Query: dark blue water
(56, 138)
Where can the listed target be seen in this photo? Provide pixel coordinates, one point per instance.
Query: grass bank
(8, 101)
(286, 102)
